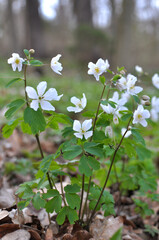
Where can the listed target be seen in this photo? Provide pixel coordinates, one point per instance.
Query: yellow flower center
(83, 131)
(132, 87)
(41, 97)
(97, 70)
(139, 116)
(17, 61)
(79, 105)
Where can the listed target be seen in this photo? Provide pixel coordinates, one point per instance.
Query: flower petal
(146, 114)
(45, 105)
(31, 93)
(51, 94)
(143, 123)
(84, 101)
(87, 124)
(88, 134)
(74, 109)
(35, 105)
(41, 88)
(79, 135)
(75, 100)
(76, 125)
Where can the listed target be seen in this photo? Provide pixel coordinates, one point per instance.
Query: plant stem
(94, 124)
(63, 196)
(36, 136)
(83, 178)
(85, 205)
(108, 174)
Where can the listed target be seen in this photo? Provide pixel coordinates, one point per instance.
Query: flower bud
(147, 103)
(145, 98)
(31, 51)
(109, 131)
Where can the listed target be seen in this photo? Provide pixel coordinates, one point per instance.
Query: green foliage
(151, 230)
(13, 81)
(38, 202)
(8, 129)
(94, 149)
(35, 119)
(14, 107)
(142, 208)
(54, 204)
(117, 235)
(66, 211)
(72, 151)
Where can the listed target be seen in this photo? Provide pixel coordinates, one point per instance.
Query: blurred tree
(83, 12)
(124, 34)
(34, 28)
(13, 39)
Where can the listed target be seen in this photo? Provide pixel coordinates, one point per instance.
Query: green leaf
(138, 136)
(35, 119)
(89, 114)
(102, 79)
(116, 77)
(38, 202)
(72, 151)
(95, 164)
(84, 167)
(111, 103)
(137, 99)
(26, 128)
(117, 235)
(72, 215)
(28, 193)
(13, 81)
(72, 188)
(36, 63)
(143, 152)
(23, 204)
(26, 52)
(108, 209)
(127, 116)
(54, 204)
(51, 193)
(61, 216)
(73, 200)
(67, 131)
(119, 69)
(94, 149)
(8, 129)
(14, 107)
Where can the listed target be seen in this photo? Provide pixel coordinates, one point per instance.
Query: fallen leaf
(17, 235)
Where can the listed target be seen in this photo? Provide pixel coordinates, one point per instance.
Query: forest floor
(34, 225)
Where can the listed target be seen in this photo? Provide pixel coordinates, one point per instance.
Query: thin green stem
(85, 205)
(108, 174)
(94, 124)
(62, 192)
(36, 136)
(83, 179)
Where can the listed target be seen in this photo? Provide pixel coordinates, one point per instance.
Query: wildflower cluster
(87, 141)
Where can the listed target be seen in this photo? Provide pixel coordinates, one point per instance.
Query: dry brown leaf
(17, 235)
(34, 235)
(8, 228)
(49, 234)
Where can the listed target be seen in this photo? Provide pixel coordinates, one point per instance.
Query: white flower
(118, 107)
(109, 131)
(127, 134)
(155, 103)
(55, 65)
(122, 83)
(99, 68)
(155, 80)
(138, 69)
(41, 97)
(82, 129)
(80, 104)
(140, 115)
(16, 61)
(131, 88)
(154, 115)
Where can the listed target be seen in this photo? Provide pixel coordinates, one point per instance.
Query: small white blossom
(155, 80)
(80, 104)
(122, 83)
(131, 88)
(109, 131)
(138, 69)
(155, 109)
(16, 61)
(42, 98)
(56, 65)
(118, 107)
(140, 115)
(127, 134)
(99, 68)
(82, 129)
